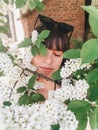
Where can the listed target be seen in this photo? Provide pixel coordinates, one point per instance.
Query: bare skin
(46, 65)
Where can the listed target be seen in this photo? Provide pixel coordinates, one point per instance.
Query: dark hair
(56, 40)
(59, 36)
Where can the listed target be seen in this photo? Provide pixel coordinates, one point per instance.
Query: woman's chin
(46, 73)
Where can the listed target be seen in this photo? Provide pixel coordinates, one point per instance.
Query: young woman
(56, 43)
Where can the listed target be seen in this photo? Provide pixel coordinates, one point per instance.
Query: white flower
(34, 36)
(6, 64)
(37, 116)
(70, 91)
(38, 85)
(26, 57)
(71, 66)
(5, 39)
(5, 8)
(13, 48)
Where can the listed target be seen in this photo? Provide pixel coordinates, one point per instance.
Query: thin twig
(38, 74)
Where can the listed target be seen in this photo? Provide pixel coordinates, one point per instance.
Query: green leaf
(82, 118)
(31, 82)
(34, 50)
(67, 101)
(78, 106)
(2, 48)
(92, 76)
(20, 3)
(93, 93)
(2, 20)
(1, 14)
(26, 43)
(38, 42)
(55, 127)
(79, 74)
(44, 34)
(32, 4)
(3, 29)
(72, 53)
(42, 49)
(91, 10)
(37, 97)
(1, 73)
(39, 5)
(92, 119)
(93, 18)
(56, 75)
(24, 100)
(6, 1)
(94, 23)
(7, 103)
(12, 1)
(89, 51)
(21, 89)
(96, 117)
(97, 102)
(11, 57)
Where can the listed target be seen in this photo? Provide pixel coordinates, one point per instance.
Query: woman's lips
(46, 68)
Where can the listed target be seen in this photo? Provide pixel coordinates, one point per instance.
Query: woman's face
(49, 63)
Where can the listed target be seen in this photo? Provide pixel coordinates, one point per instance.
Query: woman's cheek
(34, 61)
(57, 63)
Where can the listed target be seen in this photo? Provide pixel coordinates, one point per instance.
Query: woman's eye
(58, 55)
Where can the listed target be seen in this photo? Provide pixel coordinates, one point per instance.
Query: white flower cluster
(38, 85)
(31, 117)
(11, 74)
(26, 57)
(13, 78)
(78, 90)
(70, 88)
(38, 117)
(5, 8)
(34, 36)
(5, 40)
(8, 88)
(7, 67)
(71, 66)
(3, 11)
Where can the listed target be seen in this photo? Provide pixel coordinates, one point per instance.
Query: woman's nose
(49, 57)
